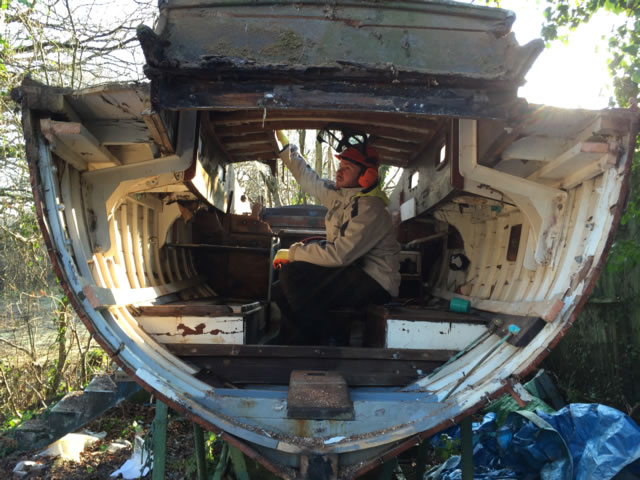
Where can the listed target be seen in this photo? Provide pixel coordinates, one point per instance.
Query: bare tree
(68, 43)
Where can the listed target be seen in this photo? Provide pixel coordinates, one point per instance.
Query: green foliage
(97, 361)
(447, 447)
(212, 448)
(13, 421)
(131, 430)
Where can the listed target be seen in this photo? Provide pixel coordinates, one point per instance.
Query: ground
(124, 420)
(118, 423)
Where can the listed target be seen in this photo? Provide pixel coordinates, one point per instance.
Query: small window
(514, 243)
(441, 159)
(413, 180)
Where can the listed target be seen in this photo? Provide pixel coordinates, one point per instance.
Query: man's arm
(311, 183)
(364, 229)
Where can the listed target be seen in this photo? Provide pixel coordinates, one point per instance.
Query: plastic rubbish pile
(580, 441)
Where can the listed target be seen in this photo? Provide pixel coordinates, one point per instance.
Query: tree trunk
(271, 183)
(319, 158)
(331, 171)
(301, 194)
(61, 325)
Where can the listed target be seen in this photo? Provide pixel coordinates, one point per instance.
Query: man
(358, 262)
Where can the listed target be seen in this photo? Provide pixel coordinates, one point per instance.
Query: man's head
(357, 169)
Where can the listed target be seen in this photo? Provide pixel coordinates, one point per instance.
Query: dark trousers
(305, 293)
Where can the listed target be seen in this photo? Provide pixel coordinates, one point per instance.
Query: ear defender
(368, 161)
(368, 178)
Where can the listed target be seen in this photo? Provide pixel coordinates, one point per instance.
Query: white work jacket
(358, 224)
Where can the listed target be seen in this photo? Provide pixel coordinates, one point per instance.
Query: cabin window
(441, 158)
(514, 243)
(413, 180)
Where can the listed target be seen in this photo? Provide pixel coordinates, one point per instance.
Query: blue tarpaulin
(581, 442)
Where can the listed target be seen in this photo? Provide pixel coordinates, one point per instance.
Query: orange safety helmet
(370, 163)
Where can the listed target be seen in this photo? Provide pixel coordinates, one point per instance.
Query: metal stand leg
(222, 462)
(387, 469)
(466, 450)
(201, 464)
(239, 465)
(160, 440)
(421, 459)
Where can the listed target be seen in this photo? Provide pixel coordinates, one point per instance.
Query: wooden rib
(116, 262)
(192, 264)
(106, 297)
(146, 245)
(126, 246)
(158, 129)
(393, 145)
(166, 265)
(186, 264)
(388, 132)
(245, 157)
(104, 270)
(135, 239)
(402, 122)
(209, 131)
(251, 150)
(176, 265)
(156, 249)
(114, 271)
(231, 141)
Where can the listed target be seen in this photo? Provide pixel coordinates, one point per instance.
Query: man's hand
(281, 257)
(282, 138)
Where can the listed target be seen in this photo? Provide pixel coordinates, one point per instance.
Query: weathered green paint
(222, 462)
(421, 458)
(466, 448)
(198, 439)
(239, 464)
(429, 37)
(160, 440)
(386, 472)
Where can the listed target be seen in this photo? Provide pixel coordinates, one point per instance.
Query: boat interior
(505, 217)
(505, 212)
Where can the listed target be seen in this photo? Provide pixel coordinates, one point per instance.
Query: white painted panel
(193, 329)
(431, 335)
(408, 209)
